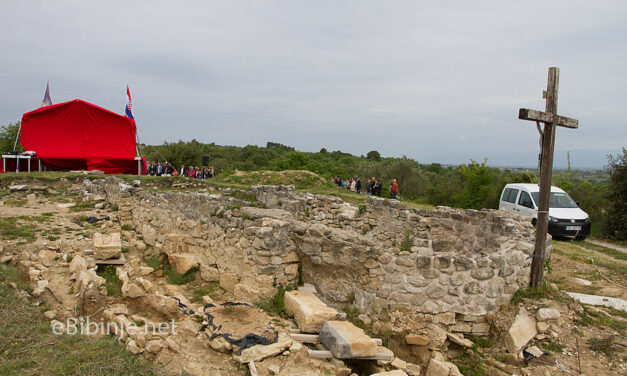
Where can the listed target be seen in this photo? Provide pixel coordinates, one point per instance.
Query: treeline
(602, 194)
(473, 185)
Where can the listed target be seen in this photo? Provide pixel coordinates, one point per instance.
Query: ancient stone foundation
(445, 266)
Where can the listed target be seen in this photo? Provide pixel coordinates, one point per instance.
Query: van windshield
(557, 200)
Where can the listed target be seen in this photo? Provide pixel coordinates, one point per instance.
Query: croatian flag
(129, 104)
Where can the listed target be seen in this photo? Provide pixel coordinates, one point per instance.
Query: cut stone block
(258, 353)
(346, 341)
(309, 312)
(442, 368)
(396, 372)
(107, 246)
(521, 332)
(459, 340)
(416, 339)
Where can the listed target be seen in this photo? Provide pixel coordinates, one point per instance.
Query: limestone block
(545, 314)
(149, 235)
(85, 277)
(345, 340)
(154, 346)
(77, 263)
(209, 273)
(181, 262)
(107, 246)
(260, 352)
(228, 281)
(442, 368)
(521, 332)
(309, 312)
(396, 372)
(459, 340)
(133, 348)
(133, 291)
(416, 339)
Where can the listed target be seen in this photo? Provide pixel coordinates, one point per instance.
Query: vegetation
(175, 278)
(275, 305)
(616, 224)
(113, 283)
(28, 346)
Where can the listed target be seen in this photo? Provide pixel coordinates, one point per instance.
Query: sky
(433, 81)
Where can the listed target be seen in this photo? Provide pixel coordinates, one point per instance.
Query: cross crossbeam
(543, 117)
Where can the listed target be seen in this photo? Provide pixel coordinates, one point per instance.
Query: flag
(47, 101)
(129, 104)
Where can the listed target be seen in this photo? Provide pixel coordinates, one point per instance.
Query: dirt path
(608, 245)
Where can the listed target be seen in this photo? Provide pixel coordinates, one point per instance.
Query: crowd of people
(373, 186)
(166, 169)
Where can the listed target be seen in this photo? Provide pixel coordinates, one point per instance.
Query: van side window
(525, 200)
(510, 195)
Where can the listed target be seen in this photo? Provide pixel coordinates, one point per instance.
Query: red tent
(79, 135)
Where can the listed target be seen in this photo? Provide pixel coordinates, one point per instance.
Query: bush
(275, 305)
(616, 224)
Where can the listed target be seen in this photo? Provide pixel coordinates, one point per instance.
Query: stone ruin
(456, 265)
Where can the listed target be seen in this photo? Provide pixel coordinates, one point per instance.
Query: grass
(211, 289)
(233, 207)
(113, 283)
(480, 341)
(604, 259)
(153, 262)
(175, 278)
(469, 364)
(533, 293)
(28, 346)
(553, 347)
(604, 346)
(82, 207)
(352, 314)
(274, 306)
(605, 250)
(408, 241)
(591, 318)
(125, 228)
(10, 229)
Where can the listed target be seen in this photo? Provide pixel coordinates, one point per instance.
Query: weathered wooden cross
(547, 137)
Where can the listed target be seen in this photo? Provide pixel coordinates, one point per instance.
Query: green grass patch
(469, 364)
(480, 341)
(211, 289)
(175, 278)
(125, 228)
(615, 253)
(153, 261)
(553, 347)
(604, 346)
(352, 315)
(233, 207)
(113, 283)
(10, 229)
(82, 207)
(15, 202)
(274, 305)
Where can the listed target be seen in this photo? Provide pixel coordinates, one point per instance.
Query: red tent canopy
(81, 135)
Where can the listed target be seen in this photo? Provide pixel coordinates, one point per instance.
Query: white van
(565, 217)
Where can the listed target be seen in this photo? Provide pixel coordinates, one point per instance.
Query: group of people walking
(166, 169)
(373, 186)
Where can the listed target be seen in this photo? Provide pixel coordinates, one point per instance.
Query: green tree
(7, 137)
(616, 224)
(478, 190)
(373, 155)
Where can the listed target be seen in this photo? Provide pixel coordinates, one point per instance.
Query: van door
(525, 205)
(508, 200)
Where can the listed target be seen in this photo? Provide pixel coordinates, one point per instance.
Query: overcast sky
(437, 83)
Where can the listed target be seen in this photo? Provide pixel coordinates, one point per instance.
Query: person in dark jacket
(358, 186)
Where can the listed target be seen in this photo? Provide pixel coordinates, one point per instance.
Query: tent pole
(19, 129)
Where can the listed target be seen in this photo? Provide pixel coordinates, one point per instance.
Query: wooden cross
(551, 119)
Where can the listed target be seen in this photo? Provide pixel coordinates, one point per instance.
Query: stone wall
(460, 262)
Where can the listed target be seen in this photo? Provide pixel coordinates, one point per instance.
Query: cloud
(437, 82)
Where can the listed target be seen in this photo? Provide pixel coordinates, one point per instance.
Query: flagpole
(19, 129)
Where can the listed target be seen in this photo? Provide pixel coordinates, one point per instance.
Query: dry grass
(28, 346)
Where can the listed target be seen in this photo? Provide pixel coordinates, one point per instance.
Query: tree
(616, 224)
(373, 155)
(7, 137)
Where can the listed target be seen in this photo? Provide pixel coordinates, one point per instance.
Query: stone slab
(346, 341)
(309, 312)
(597, 300)
(396, 372)
(521, 332)
(261, 352)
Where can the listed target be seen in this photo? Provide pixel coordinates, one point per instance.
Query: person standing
(368, 188)
(358, 186)
(393, 189)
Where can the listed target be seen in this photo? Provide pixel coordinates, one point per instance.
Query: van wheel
(534, 222)
(580, 237)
